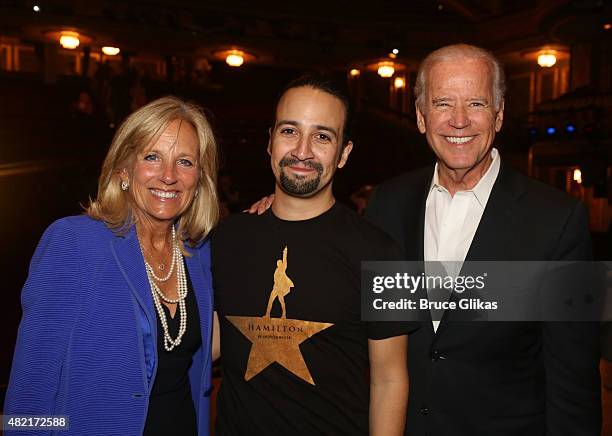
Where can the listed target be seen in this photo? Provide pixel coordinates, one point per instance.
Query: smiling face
(164, 175)
(459, 116)
(306, 141)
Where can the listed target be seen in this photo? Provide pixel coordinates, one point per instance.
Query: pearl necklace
(181, 281)
(176, 252)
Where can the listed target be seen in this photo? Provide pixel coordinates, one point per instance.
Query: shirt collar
(483, 188)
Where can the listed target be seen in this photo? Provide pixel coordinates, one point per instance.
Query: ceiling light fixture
(547, 59)
(69, 40)
(110, 51)
(235, 58)
(385, 69)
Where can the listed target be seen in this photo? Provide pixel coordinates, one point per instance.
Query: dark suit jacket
(499, 378)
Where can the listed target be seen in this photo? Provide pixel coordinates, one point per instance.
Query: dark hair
(325, 84)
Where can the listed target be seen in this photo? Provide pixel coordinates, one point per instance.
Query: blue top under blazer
(86, 345)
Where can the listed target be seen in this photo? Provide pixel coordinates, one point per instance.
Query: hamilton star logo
(277, 339)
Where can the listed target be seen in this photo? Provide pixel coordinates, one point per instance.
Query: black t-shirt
(307, 373)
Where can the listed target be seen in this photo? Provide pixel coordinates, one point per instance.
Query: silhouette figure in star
(282, 286)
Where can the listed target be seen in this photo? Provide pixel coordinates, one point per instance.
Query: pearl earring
(125, 185)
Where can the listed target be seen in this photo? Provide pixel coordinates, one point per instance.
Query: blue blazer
(86, 345)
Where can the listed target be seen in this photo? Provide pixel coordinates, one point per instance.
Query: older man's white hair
(460, 52)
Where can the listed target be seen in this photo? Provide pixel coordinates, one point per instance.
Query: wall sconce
(399, 82)
(354, 72)
(577, 176)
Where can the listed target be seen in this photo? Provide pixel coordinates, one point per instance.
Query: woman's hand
(261, 206)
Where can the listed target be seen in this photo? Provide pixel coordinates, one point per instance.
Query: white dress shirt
(451, 221)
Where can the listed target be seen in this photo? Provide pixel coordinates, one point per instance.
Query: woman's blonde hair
(140, 129)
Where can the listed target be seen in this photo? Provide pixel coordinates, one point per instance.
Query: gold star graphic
(277, 340)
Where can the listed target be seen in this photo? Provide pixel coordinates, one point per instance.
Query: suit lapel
(419, 237)
(421, 227)
(131, 264)
(497, 226)
(415, 238)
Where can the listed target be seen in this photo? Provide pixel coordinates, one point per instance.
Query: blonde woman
(116, 328)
